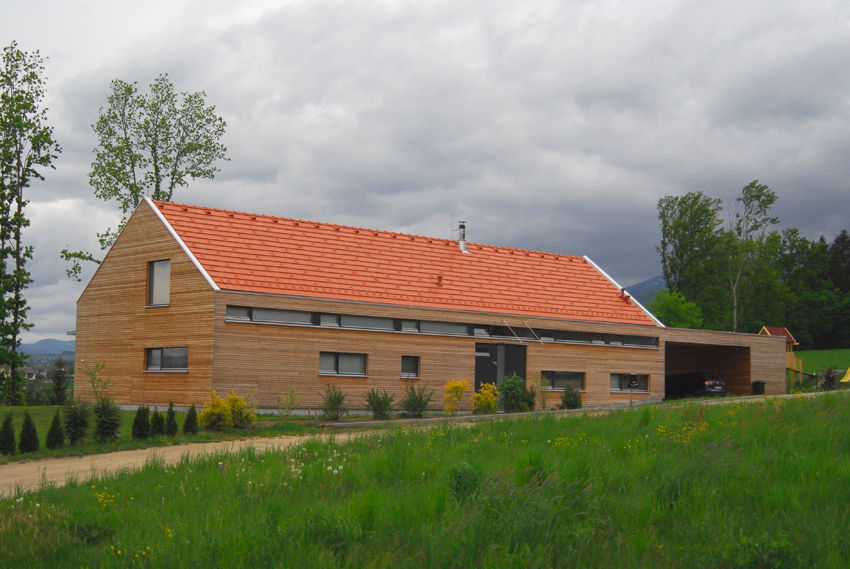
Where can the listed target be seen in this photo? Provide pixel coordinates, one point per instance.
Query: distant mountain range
(48, 347)
(644, 291)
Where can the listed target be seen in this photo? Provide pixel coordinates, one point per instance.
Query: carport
(729, 362)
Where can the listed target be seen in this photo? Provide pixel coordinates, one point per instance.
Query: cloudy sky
(546, 125)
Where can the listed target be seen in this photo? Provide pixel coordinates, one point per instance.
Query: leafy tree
(672, 309)
(190, 425)
(58, 381)
(29, 436)
(26, 148)
(149, 144)
(839, 261)
(171, 421)
(55, 436)
(7, 436)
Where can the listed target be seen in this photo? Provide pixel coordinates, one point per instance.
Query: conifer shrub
(142, 423)
(76, 421)
(157, 424)
(415, 401)
(107, 419)
(570, 399)
(7, 436)
(55, 435)
(171, 421)
(190, 425)
(29, 436)
(380, 404)
(485, 401)
(515, 398)
(333, 403)
(453, 392)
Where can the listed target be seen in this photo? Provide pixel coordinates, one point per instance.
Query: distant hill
(645, 291)
(48, 347)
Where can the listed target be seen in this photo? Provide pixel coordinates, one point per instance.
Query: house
(191, 299)
(793, 364)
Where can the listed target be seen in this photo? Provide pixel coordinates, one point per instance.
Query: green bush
(157, 424)
(333, 403)
(190, 425)
(380, 404)
(55, 436)
(514, 397)
(570, 399)
(142, 423)
(7, 436)
(464, 480)
(415, 401)
(107, 419)
(171, 421)
(29, 436)
(76, 420)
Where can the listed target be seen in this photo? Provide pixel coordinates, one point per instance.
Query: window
(159, 282)
(167, 359)
(329, 320)
(238, 313)
(443, 327)
(410, 367)
(373, 322)
(629, 381)
(564, 379)
(336, 363)
(410, 325)
(276, 315)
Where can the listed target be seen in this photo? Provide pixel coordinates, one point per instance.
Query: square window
(167, 359)
(409, 367)
(159, 282)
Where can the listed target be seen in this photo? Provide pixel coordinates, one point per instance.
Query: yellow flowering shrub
(453, 392)
(485, 400)
(219, 413)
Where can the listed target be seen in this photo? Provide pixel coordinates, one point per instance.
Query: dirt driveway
(31, 475)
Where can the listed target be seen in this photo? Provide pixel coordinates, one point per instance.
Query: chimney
(461, 229)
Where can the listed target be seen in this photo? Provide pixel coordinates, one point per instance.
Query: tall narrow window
(159, 282)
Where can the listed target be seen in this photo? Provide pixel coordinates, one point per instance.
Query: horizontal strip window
(167, 359)
(520, 332)
(337, 363)
(564, 379)
(629, 382)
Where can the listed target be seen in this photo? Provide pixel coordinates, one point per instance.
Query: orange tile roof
(274, 255)
(781, 331)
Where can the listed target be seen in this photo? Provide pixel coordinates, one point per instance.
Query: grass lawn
(759, 483)
(818, 360)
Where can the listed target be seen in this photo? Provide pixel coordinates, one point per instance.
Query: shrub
(415, 401)
(29, 436)
(464, 480)
(157, 424)
(570, 399)
(171, 421)
(288, 402)
(514, 396)
(333, 403)
(55, 436)
(7, 436)
(380, 404)
(76, 421)
(216, 414)
(241, 411)
(107, 419)
(453, 392)
(485, 401)
(190, 425)
(142, 423)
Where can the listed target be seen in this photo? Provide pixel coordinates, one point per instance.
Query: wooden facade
(116, 326)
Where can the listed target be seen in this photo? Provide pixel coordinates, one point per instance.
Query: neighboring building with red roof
(192, 299)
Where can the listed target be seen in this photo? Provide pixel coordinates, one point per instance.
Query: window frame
(157, 353)
(409, 374)
(621, 377)
(157, 276)
(551, 380)
(338, 357)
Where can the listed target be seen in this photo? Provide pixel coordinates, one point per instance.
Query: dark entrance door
(495, 361)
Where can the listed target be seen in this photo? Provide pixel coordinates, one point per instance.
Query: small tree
(58, 382)
(171, 421)
(190, 425)
(380, 404)
(55, 436)
(157, 424)
(7, 436)
(107, 419)
(142, 423)
(76, 421)
(415, 401)
(288, 402)
(29, 436)
(515, 397)
(453, 392)
(333, 403)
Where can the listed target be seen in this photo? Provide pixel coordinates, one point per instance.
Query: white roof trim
(616, 284)
(183, 246)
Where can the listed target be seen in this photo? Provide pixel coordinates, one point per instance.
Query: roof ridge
(469, 244)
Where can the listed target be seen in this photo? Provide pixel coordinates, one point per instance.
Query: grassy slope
(763, 484)
(818, 360)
